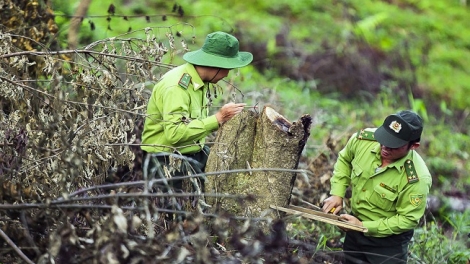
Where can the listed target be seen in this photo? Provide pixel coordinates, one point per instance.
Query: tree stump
(262, 143)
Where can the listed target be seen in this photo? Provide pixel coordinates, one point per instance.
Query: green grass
(443, 243)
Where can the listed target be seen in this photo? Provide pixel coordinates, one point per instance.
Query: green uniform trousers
(190, 164)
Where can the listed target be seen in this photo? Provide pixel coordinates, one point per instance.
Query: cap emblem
(395, 126)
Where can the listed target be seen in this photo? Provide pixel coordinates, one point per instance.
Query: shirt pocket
(383, 198)
(356, 173)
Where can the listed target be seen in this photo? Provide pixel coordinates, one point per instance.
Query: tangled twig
(15, 248)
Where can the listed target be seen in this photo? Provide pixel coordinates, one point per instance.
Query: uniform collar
(398, 164)
(195, 78)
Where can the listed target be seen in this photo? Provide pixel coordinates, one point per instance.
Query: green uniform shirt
(178, 113)
(388, 201)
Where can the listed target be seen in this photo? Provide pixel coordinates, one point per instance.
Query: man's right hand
(332, 204)
(228, 111)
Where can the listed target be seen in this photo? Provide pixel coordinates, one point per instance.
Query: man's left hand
(351, 219)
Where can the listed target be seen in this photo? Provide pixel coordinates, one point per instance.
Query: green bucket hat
(399, 129)
(220, 50)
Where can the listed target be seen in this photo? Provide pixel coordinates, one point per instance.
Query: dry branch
(15, 248)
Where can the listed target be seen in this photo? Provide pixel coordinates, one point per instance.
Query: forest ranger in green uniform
(389, 182)
(178, 118)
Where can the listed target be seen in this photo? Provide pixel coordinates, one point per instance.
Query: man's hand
(351, 219)
(332, 204)
(228, 111)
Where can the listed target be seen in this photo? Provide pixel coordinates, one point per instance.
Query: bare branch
(66, 52)
(14, 247)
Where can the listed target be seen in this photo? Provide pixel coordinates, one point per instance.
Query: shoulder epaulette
(363, 134)
(185, 80)
(411, 174)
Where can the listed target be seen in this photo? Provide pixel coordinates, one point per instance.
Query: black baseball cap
(399, 129)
